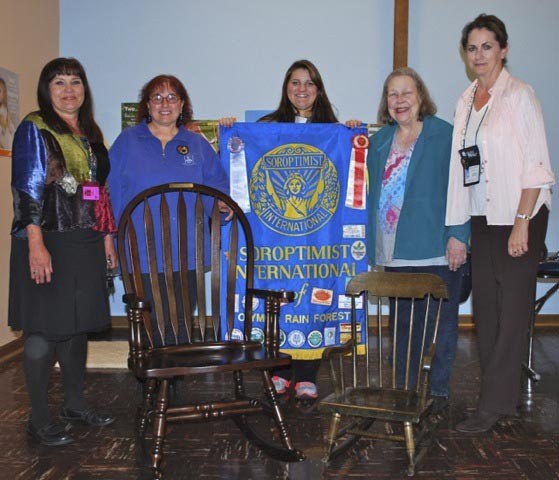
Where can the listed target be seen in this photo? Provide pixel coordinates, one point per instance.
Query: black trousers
(503, 289)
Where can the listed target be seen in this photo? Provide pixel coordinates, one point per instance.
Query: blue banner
(293, 181)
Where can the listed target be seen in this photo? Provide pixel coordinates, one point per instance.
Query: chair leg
(159, 425)
(286, 454)
(239, 385)
(331, 439)
(335, 446)
(146, 407)
(276, 412)
(410, 447)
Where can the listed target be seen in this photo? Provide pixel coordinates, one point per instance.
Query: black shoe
(479, 422)
(53, 434)
(88, 416)
(439, 404)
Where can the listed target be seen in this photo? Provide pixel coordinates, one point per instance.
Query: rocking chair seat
(381, 403)
(208, 358)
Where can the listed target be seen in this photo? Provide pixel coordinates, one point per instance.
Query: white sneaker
(280, 384)
(306, 390)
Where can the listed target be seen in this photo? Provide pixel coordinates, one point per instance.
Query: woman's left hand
(227, 121)
(456, 253)
(518, 239)
(353, 123)
(110, 252)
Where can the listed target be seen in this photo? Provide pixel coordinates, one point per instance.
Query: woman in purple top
(159, 150)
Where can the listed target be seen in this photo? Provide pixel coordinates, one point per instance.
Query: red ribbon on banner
(360, 146)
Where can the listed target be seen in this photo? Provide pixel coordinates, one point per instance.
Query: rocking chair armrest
(427, 362)
(273, 299)
(136, 302)
(426, 374)
(343, 349)
(284, 296)
(336, 370)
(136, 307)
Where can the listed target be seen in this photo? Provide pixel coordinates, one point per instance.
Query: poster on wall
(128, 113)
(207, 128)
(9, 109)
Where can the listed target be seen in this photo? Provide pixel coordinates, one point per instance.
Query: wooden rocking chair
(172, 333)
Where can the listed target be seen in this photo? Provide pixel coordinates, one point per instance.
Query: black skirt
(76, 300)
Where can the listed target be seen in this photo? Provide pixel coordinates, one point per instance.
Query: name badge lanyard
(91, 161)
(91, 188)
(468, 120)
(470, 156)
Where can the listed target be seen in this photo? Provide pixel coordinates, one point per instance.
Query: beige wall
(29, 37)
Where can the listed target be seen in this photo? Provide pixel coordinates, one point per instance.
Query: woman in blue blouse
(408, 164)
(159, 150)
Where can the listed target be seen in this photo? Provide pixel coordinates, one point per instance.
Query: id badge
(471, 162)
(90, 191)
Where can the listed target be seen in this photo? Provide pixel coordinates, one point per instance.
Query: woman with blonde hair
(408, 164)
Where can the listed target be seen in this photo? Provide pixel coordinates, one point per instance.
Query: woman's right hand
(40, 265)
(456, 253)
(227, 121)
(353, 123)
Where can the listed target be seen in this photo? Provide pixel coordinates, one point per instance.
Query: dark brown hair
(67, 66)
(491, 23)
(172, 83)
(322, 111)
(427, 106)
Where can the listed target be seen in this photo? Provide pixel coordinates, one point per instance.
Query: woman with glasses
(159, 150)
(408, 164)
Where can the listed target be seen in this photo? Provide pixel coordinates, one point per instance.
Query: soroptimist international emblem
(294, 189)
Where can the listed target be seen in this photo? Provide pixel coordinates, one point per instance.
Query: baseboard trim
(120, 321)
(10, 349)
(542, 321)
(464, 321)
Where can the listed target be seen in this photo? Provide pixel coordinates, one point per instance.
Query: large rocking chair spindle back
(172, 332)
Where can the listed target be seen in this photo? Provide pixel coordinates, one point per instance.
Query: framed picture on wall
(9, 109)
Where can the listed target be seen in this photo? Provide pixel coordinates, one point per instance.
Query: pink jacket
(515, 152)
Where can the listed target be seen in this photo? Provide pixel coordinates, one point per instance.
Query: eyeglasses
(157, 98)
